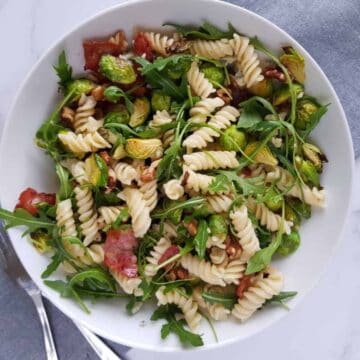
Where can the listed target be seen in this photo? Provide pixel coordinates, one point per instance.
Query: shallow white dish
(24, 165)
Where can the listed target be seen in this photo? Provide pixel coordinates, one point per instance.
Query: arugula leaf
(280, 298)
(21, 217)
(169, 166)
(158, 81)
(99, 280)
(56, 260)
(65, 189)
(133, 305)
(102, 199)
(228, 300)
(206, 31)
(200, 238)
(247, 186)
(47, 135)
(63, 70)
(123, 215)
(127, 131)
(176, 205)
(167, 312)
(114, 94)
(262, 258)
(314, 119)
(161, 63)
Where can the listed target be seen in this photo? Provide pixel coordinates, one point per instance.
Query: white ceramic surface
(37, 97)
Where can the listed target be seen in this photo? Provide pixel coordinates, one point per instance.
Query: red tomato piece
(29, 199)
(142, 46)
(168, 253)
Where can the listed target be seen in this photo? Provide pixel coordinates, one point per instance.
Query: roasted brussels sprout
(117, 70)
(304, 109)
(232, 139)
(143, 148)
(141, 112)
(80, 86)
(120, 116)
(314, 154)
(177, 70)
(214, 74)
(294, 62)
(160, 101)
(291, 215)
(282, 94)
(96, 170)
(41, 240)
(109, 136)
(217, 225)
(119, 152)
(289, 243)
(308, 171)
(300, 209)
(264, 156)
(273, 200)
(263, 88)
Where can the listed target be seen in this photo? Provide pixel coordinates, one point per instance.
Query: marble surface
(325, 325)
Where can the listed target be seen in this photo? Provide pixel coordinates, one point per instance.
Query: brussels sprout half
(143, 148)
(96, 170)
(141, 112)
(304, 109)
(160, 101)
(233, 139)
(282, 94)
(263, 88)
(264, 156)
(214, 74)
(289, 244)
(117, 70)
(294, 62)
(79, 87)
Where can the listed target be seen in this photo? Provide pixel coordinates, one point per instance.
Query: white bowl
(23, 165)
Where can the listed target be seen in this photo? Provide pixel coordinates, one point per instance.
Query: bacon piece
(30, 198)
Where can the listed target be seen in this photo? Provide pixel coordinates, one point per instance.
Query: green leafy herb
(63, 70)
(127, 131)
(123, 215)
(280, 298)
(262, 258)
(102, 199)
(114, 94)
(65, 189)
(167, 312)
(21, 217)
(314, 119)
(200, 238)
(228, 300)
(158, 81)
(206, 31)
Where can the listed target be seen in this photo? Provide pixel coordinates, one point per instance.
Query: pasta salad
(184, 166)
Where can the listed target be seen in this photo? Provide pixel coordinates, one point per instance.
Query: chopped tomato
(30, 198)
(244, 284)
(94, 49)
(142, 46)
(168, 253)
(119, 252)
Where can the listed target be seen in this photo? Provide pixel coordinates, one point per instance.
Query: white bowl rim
(349, 145)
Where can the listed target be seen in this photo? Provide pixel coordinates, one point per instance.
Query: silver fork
(12, 266)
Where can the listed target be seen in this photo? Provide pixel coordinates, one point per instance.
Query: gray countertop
(329, 30)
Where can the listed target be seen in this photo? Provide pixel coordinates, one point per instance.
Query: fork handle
(48, 338)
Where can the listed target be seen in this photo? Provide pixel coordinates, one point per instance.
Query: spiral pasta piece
(87, 214)
(77, 170)
(80, 144)
(155, 255)
(126, 173)
(84, 111)
(149, 193)
(268, 284)
(234, 271)
(220, 121)
(187, 305)
(199, 84)
(218, 256)
(210, 273)
(206, 107)
(65, 218)
(213, 49)
(286, 182)
(128, 285)
(209, 160)
(216, 311)
(247, 60)
(159, 43)
(160, 118)
(216, 240)
(108, 214)
(267, 218)
(245, 232)
(173, 189)
(139, 212)
(219, 203)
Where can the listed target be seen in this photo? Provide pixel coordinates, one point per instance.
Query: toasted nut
(111, 183)
(274, 73)
(98, 93)
(185, 178)
(148, 174)
(181, 273)
(106, 157)
(67, 117)
(191, 227)
(224, 95)
(244, 284)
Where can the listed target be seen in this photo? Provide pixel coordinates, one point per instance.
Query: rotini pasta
(126, 173)
(139, 212)
(159, 43)
(108, 214)
(77, 170)
(208, 160)
(87, 214)
(206, 107)
(234, 271)
(173, 189)
(216, 49)
(155, 255)
(218, 256)
(128, 285)
(65, 218)
(268, 284)
(198, 82)
(186, 304)
(219, 203)
(84, 111)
